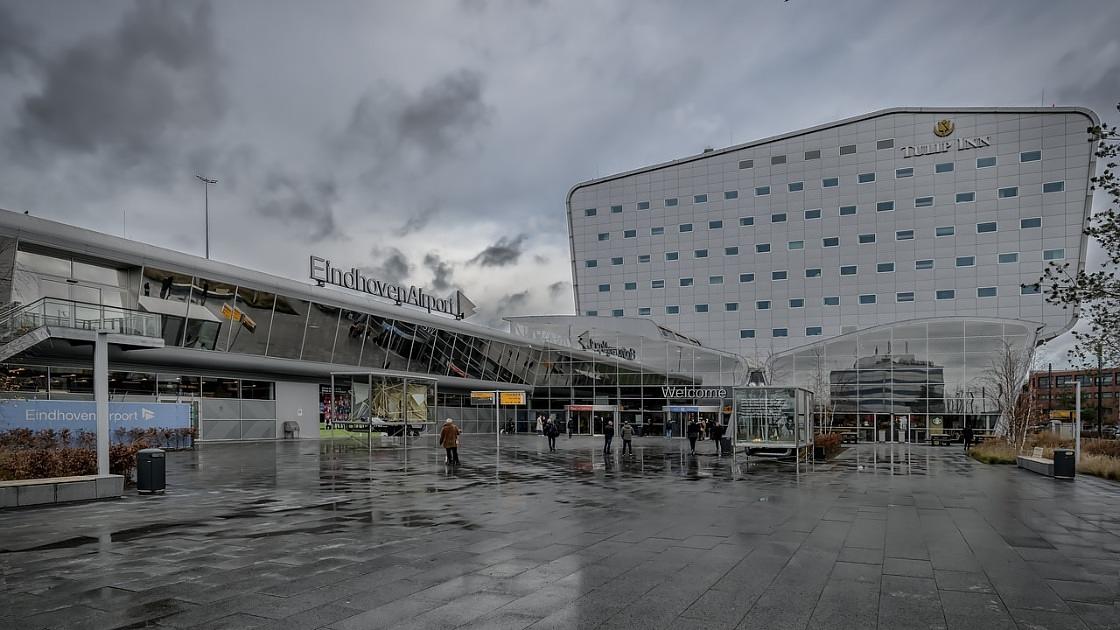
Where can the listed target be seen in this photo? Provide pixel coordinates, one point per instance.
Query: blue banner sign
(38, 415)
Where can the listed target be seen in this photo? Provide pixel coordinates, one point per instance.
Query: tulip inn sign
(457, 305)
(942, 129)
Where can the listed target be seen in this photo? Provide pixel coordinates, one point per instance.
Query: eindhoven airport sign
(586, 342)
(457, 305)
(82, 415)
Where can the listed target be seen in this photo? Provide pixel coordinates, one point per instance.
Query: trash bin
(151, 470)
(291, 430)
(1065, 465)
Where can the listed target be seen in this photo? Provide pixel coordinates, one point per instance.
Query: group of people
(627, 433)
(702, 429)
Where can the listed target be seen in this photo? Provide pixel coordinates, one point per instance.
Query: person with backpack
(627, 438)
(692, 432)
(551, 431)
(608, 436)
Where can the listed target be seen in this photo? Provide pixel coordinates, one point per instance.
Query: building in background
(1054, 393)
(878, 261)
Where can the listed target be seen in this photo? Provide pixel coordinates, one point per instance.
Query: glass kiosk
(773, 421)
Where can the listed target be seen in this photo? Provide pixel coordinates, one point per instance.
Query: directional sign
(511, 398)
(482, 398)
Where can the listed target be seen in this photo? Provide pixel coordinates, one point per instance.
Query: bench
(941, 439)
(1038, 465)
(26, 492)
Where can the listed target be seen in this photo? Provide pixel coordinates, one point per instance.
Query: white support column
(101, 397)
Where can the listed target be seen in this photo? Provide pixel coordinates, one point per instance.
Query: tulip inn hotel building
(877, 261)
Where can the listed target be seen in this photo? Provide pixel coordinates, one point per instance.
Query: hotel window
(985, 162)
(987, 226)
(1034, 222)
(617, 260)
(630, 286)
(796, 186)
(643, 205)
(985, 292)
(591, 263)
(590, 212)
(730, 251)
(884, 206)
(644, 310)
(604, 288)
(944, 167)
(1030, 156)
(794, 245)
(904, 235)
(847, 149)
(715, 279)
(657, 284)
(904, 296)
(815, 213)
(1009, 192)
(946, 230)
(778, 159)
(672, 309)
(830, 182)
(847, 270)
(1010, 257)
(701, 308)
(966, 261)
(923, 202)
(813, 331)
(867, 298)
(746, 333)
(780, 332)
(656, 231)
(885, 267)
(779, 217)
(761, 191)
(797, 302)
(685, 227)
(865, 178)
(746, 277)
(745, 221)
(899, 173)
(762, 248)
(731, 194)
(779, 275)
(731, 306)
(1050, 187)
(669, 203)
(922, 265)
(699, 199)
(686, 282)
(700, 253)
(946, 294)
(1030, 289)
(643, 258)
(672, 256)
(1054, 254)
(616, 312)
(629, 233)
(847, 210)
(830, 241)
(966, 197)
(715, 225)
(831, 300)
(813, 272)
(746, 164)
(865, 239)
(815, 154)
(885, 144)
(604, 236)
(592, 313)
(616, 209)
(762, 305)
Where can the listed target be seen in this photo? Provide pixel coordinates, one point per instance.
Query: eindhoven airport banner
(39, 415)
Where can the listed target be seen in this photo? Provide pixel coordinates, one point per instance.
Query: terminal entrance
(590, 419)
(678, 416)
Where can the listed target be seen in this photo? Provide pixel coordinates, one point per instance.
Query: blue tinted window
(904, 235)
(986, 292)
(657, 284)
(796, 186)
(701, 308)
(797, 302)
(899, 173)
(603, 288)
(812, 214)
(643, 258)
(831, 241)
(700, 199)
(779, 275)
(671, 202)
(762, 248)
(616, 312)
(1054, 254)
(864, 239)
(1030, 289)
(847, 270)
(904, 296)
(686, 282)
(1030, 223)
(762, 305)
(1011, 257)
(746, 333)
(832, 300)
(590, 212)
(617, 260)
(630, 286)
(947, 230)
(592, 313)
(746, 277)
(731, 306)
(1050, 187)
(591, 263)
(731, 194)
(779, 217)
(813, 331)
(847, 210)
(672, 310)
(885, 267)
(867, 298)
(830, 182)
(923, 202)
(866, 178)
(715, 279)
(745, 221)
(884, 206)
(685, 227)
(987, 226)
(730, 251)
(656, 231)
(671, 256)
(813, 272)
(946, 294)
(604, 236)
(629, 233)
(792, 245)
(715, 225)
(761, 191)
(643, 205)
(966, 261)
(1010, 191)
(985, 162)
(923, 264)
(944, 167)
(781, 332)
(644, 310)
(700, 253)
(1030, 156)
(966, 197)
(616, 209)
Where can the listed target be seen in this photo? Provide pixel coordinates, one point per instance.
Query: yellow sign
(1061, 414)
(227, 311)
(943, 128)
(482, 398)
(512, 398)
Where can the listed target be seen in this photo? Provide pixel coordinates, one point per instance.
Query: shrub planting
(27, 454)
(828, 444)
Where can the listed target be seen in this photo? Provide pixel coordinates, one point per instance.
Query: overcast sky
(434, 142)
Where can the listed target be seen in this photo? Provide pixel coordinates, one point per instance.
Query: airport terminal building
(878, 261)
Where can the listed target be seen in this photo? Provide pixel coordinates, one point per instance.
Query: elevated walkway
(24, 327)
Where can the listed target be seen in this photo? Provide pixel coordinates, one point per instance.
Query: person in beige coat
(449, 440)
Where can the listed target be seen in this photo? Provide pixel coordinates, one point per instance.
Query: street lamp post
(206, 196)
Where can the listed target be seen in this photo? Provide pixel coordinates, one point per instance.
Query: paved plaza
(310, 535)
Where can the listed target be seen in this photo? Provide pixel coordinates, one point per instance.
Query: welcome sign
(39, 415)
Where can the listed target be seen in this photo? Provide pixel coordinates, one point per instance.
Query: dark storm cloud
(416, 222)
(441, 271)
(305, 203)
(16, 42)
(506, 251)
(393, 265)
(557, 289)
(512, 304)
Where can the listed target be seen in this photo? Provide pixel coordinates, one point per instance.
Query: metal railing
(61, 313)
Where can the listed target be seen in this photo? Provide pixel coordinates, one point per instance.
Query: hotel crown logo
(943, 128)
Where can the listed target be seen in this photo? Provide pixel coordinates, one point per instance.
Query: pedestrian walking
(717, 435)
(627, 438)
(449, 440)
(540, 425)
(571, 427)
(608, 436)
(692, 432)
(669, 429)
(551, 431)
(967, 436)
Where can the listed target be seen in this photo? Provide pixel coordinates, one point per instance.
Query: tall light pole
(206, 195)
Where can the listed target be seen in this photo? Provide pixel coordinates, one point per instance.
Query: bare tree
(821, 386)
(1006, 377)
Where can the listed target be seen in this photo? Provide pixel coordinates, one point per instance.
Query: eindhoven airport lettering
(603, 347)
(693, 392)
(457, 305)
(63, 415)
(944, 146)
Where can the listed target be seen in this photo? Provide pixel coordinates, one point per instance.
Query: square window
(761, 191)
(815, 213)
(867, 298)
(987, 226)
(643, 205)
(884, 206)
(815, 154)
(904, 296)
(1054, 254)
(616, 209)
(885, 144)
(730, 251)
(745, 221)
(604, 236)
(731, 307)
(731, 194)
(946, 230)
(796, 186)
(672, 310)
(672, 256)
(944, 167)
(831, 241)
(592, 313)
(904, 235)
(1030, 156)
(700, 199)
(1050, 187)
(865, 178)
(830, 182)
(762, 305)
(669, 203)
(966, 261)
(899, 173)
(779, 217)
(885, 267)
(966, 197)
(923, 202)
(1010, 257)
(700, 253)
(832, 300)
(590, 212)
(715, 279)
(657, 284)
(1030, 289)
(847, 149)
(797, 302)
(778, 159)
(813, 272)
(1009, 192)
(985, 162)
(616, 312)
(746, 163)
(643, 258)
(617, 260)
(746, 277)
(922, 265)
(604, 288)
(644, 310)
(746, 333)
(792, 245)
(865, 239)
(779, 275)
(629, 234)
(986, 292)
(813, 331)
(685, 227)
(630, 286)
(946, 294)
(847, 210)
(847, 270)
(656, 231)
(591, 263)
(701, 308)
(781, 332)
(686, 282)
(762, 248)
(1034, 222)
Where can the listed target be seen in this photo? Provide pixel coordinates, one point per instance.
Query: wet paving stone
(335, 535)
